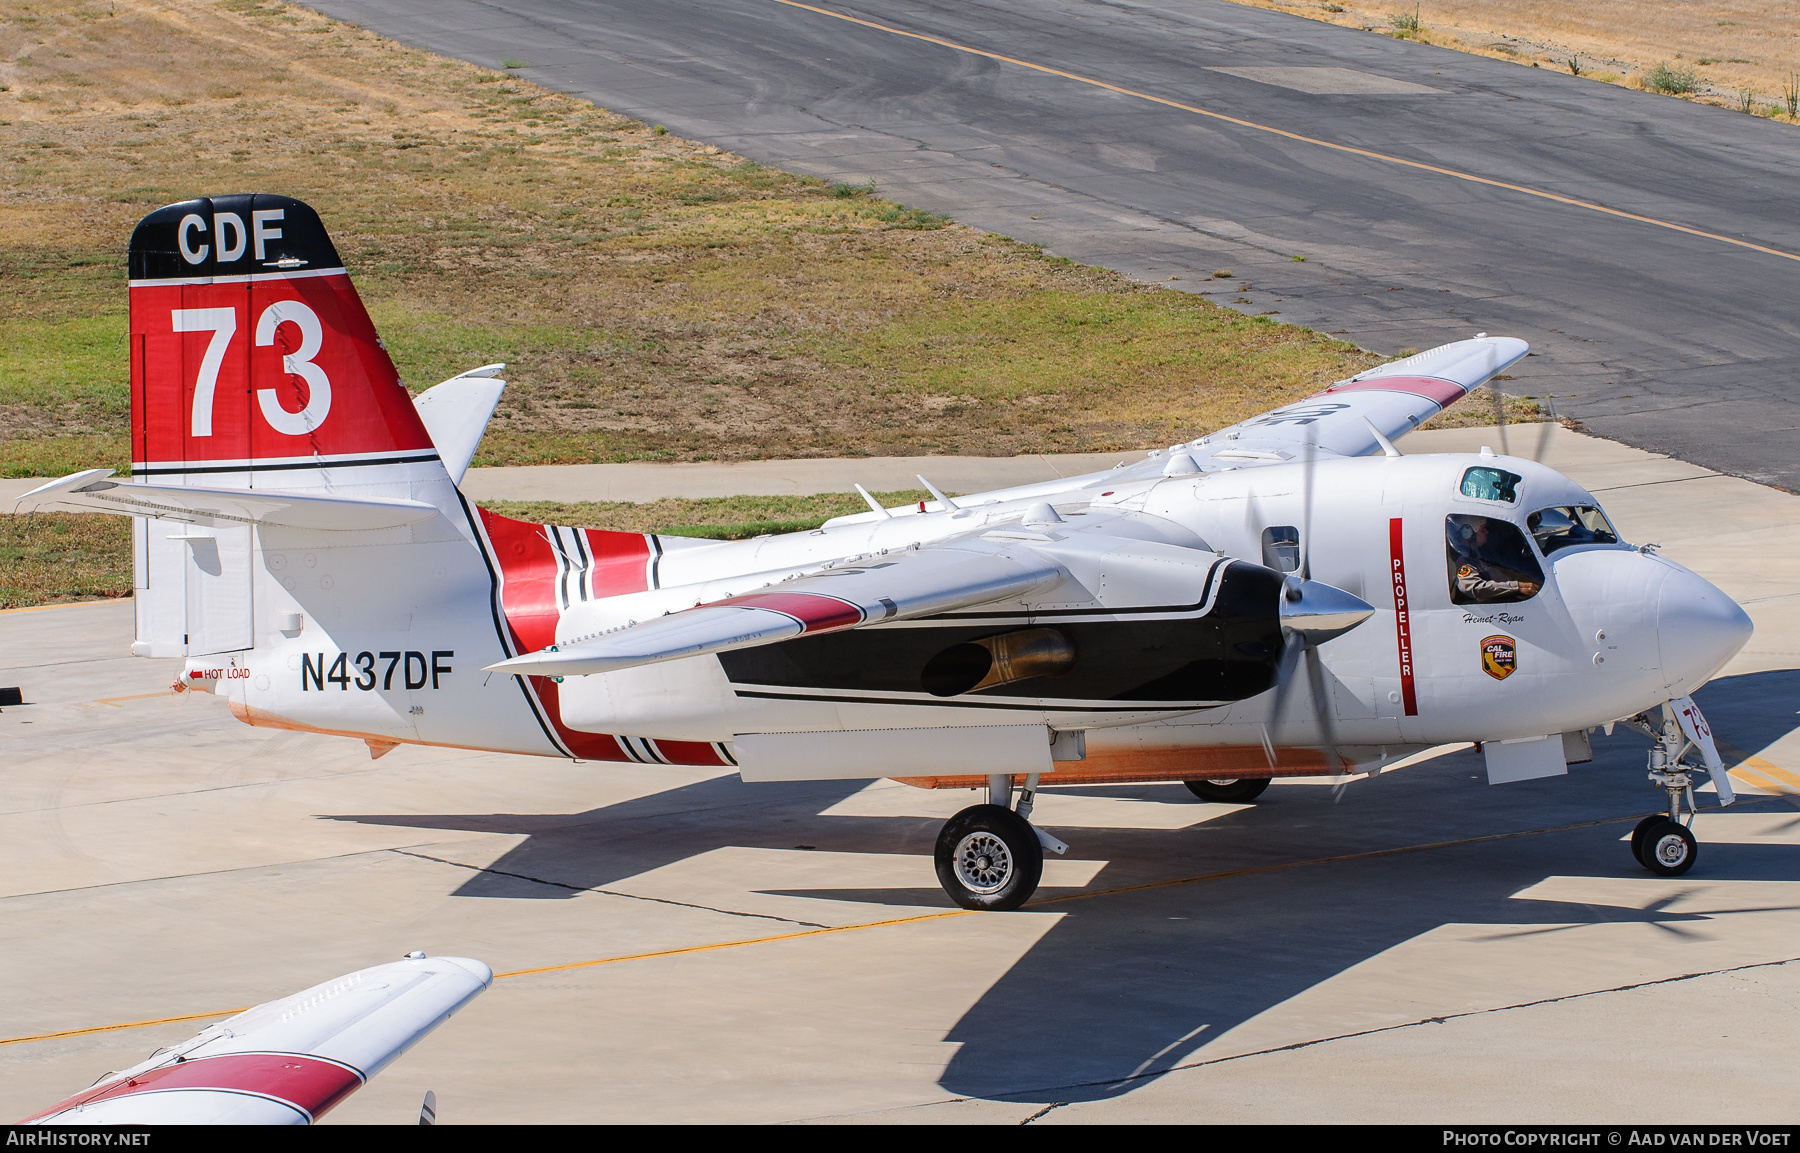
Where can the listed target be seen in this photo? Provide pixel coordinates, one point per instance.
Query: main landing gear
(1229, 792)
(1663, 842)
(991, 856)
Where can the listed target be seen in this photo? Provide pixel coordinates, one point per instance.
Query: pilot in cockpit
(1481, 577)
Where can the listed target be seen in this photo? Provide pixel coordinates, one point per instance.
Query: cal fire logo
(1499, 656)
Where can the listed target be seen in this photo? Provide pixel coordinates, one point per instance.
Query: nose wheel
(1667, 849)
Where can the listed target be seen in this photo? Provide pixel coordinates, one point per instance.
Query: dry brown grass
(656, 298)
(1731, 44)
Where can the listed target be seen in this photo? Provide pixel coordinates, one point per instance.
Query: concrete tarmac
(1222, 136)
(1441, 949)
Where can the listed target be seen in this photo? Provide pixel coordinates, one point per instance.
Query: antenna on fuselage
(1387, 446)
(874, 504)
(949, 505)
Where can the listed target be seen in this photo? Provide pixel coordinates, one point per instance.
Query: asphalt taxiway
(1646, 247)
(675, 945)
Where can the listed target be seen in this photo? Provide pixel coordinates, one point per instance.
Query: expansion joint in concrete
(606, 892)
(1117, 1082)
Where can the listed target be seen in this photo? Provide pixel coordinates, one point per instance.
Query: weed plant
(1671, 80)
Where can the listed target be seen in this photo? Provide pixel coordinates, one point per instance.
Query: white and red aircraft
(301, 541)
(288, 1061)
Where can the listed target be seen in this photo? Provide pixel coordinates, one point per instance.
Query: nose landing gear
(1664, 843)
(991, 856)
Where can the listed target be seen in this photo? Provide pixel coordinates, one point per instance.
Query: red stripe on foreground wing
(309, 1084)
(816, 612)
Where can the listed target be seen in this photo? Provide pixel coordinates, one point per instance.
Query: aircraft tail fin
(251, 352)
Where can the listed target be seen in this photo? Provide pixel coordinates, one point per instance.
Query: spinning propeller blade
(1311, 614)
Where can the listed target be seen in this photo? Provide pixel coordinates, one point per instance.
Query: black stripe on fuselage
(291, 466)
(981, 703)
(500, 629)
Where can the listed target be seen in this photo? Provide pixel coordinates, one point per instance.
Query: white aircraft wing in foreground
(896, 585)
(286, 1062)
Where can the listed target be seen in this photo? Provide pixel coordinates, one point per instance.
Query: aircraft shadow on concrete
(1128, 985)
(564, 854)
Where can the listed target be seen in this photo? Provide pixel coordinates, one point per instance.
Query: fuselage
(1168, 601)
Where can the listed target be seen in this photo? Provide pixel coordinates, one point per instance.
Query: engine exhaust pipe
(1002, 660)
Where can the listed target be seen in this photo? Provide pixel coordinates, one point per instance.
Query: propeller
(1499, 395)
(1311, 614)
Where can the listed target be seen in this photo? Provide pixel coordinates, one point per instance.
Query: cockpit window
(1491, 484)
(1490, 563)
(1570, 524)
(1281, 548)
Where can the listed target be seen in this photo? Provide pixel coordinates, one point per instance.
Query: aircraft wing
(285, 1062)
(868, 590)
(91, 491)
(1394, 398)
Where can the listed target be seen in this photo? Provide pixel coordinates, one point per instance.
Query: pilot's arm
(1475, 583)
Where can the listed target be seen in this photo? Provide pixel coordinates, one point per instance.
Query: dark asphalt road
(1675, 342)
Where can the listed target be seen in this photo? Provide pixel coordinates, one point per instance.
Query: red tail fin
(250, 349)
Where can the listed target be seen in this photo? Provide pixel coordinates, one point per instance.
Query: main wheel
(1637, 834)
(1669, 849)
(988, 857)
(1236, 792)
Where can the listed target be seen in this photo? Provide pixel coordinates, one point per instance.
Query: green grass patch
(715, 518)
(64, 453)
(47, 558)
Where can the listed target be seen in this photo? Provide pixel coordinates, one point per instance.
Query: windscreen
(1565, 526)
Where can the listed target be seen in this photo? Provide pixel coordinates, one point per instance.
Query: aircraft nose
(1698, 629)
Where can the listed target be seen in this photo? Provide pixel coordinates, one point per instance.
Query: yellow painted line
(1760, 772)
(1749, 777)
(68, 605)
(124, 1025)
(1363, 856)
(915, 920)
(734, 944)
(136, 697)
(1768, 770)
(1163, 100)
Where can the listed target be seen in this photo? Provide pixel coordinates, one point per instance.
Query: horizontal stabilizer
(882, 588)
(91, 491)
(456, 414)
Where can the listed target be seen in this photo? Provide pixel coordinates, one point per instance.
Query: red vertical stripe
(1402, 618)
(621, 561)
(689, 753)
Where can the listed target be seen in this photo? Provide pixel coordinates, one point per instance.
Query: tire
(1637, 834)
(1238, 792)
(988, 857)
(1669, 849)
